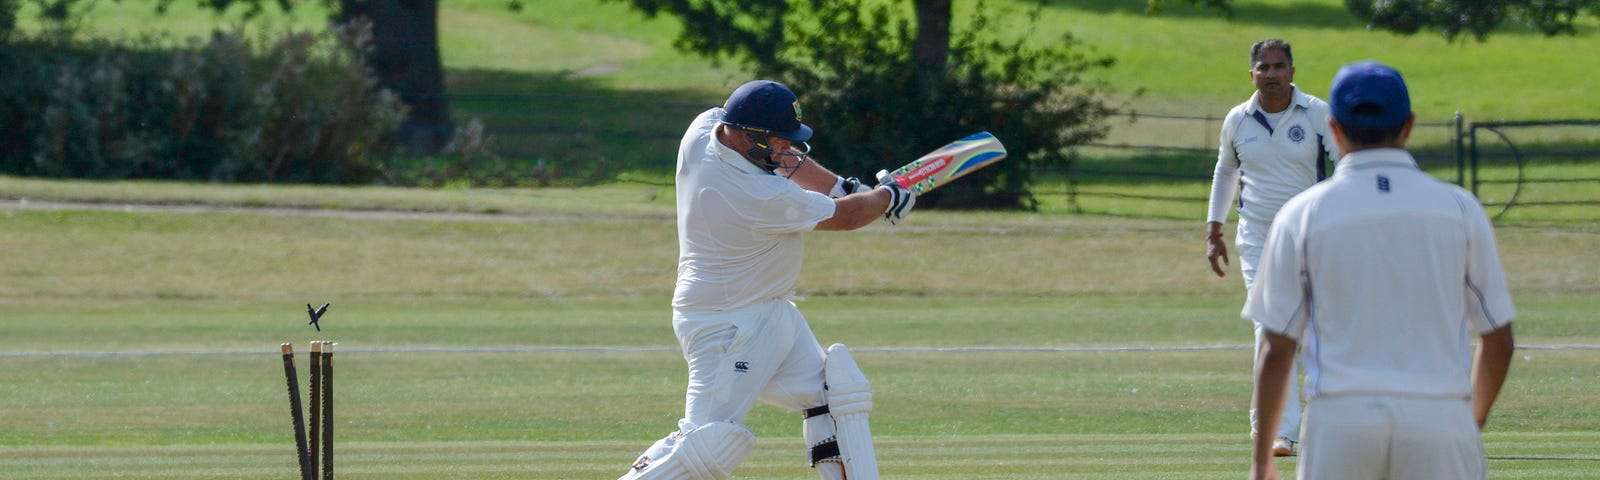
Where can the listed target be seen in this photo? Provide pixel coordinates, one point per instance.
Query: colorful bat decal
(950, 162)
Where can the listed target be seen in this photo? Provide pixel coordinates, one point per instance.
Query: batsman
(746, 195)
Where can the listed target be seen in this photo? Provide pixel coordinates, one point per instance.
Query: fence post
(1461, 154)
(1472, 158)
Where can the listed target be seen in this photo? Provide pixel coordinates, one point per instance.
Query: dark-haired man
(1272, 147)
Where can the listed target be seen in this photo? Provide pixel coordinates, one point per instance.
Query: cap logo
(797, 116)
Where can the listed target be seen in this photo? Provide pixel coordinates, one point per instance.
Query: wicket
(316, 448)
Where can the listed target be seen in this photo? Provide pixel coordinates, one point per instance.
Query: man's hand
(1215, 248)
(1489, 370)
(900, 199)
(848, 185)
(1269, 472)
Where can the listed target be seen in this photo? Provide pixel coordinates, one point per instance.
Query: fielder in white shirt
(1391, 269)
(746, 196)
(1272, 147)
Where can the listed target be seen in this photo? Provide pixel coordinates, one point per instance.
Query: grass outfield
(430, 391)
(531, 341)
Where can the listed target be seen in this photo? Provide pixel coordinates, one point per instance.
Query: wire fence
(1169, 159)
(1548, 165)
(1520, 170)
(1149, 162)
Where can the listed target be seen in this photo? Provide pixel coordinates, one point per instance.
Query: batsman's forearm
(1489, 371)
(814, 177)
(857, 210)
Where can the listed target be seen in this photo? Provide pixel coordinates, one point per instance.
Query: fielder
(1273, 146)
(1390, 268)
(746, 195)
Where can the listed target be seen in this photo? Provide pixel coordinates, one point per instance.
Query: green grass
(143, 343)
(197, 300)
(998, 457)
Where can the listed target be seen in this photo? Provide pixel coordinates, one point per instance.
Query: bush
(8, 17)
(296, 107)
(852, 64)
(860, 92)
(469, 161)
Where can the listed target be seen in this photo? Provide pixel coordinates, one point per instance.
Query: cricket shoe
(1282, 447)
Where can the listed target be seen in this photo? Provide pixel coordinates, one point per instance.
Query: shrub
(293, 107)
(8, 17)
(859, 90)
(852, 64)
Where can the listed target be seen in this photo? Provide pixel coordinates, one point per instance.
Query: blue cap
(1369, 94)
(769, 105)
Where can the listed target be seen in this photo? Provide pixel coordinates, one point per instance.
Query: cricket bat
(949, 162)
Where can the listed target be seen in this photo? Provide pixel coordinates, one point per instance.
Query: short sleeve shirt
(740, 228)
(1393, 269)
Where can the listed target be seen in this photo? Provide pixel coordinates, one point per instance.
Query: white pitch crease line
(674, 349)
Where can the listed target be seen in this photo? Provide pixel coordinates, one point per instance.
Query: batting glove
(846, 186)
(900, 199)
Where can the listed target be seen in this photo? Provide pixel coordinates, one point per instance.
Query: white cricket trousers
(1358, 437)
(762, 352)
(1249, 240)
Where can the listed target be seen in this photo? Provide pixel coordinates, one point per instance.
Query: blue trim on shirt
(1322, 159)
(1262, 119)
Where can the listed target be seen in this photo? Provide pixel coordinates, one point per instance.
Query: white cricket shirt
(740, 228)
(1392, 269)
(1267, 162)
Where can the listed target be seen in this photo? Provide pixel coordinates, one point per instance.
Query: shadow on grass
(564, 120)
(1298, 14)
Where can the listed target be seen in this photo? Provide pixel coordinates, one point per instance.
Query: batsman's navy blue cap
(768, 105)
(1369, 94)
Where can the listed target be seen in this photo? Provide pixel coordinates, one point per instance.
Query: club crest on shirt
(1296, 134)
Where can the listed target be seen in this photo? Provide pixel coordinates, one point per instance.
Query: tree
(931, 53)
(883, 87)
(1477, 17)
(405, 58)
(8, 17)
(404, 55)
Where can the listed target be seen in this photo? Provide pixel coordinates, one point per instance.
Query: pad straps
(824, 451)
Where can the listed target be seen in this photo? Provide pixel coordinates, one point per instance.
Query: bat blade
(950, 162)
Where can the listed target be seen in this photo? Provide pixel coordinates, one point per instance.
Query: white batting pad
(710, 451)
(849, 401)
(818, 432)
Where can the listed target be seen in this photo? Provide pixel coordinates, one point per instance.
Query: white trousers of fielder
(1356, 437)
(1249, 240)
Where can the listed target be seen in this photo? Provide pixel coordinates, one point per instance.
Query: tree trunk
(405, 57)
(932, 51)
